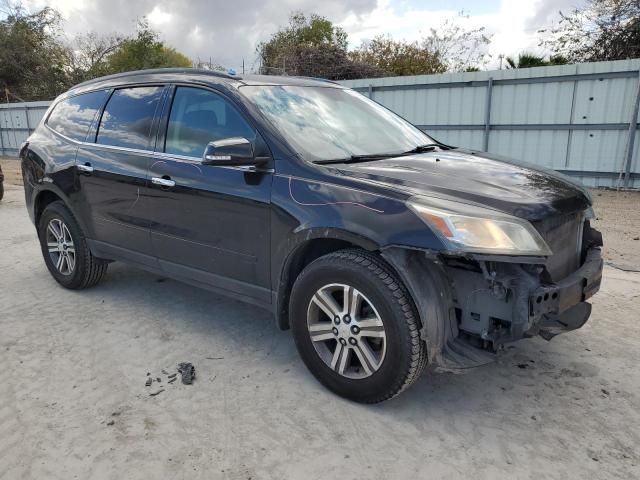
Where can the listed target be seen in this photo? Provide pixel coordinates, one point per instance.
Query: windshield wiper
(429, 147)
(372, 157)
(357, 158)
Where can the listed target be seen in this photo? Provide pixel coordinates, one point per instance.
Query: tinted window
(199, 117)
(72, 117)
(128, 117)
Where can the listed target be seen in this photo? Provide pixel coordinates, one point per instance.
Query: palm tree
(528, 60)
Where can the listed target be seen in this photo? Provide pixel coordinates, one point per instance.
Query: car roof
(197, 76)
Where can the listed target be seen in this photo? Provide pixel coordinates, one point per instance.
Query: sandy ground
(73, 401)
(618, 218)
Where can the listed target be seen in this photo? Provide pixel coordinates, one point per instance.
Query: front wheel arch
(424, 277)
(313, 244)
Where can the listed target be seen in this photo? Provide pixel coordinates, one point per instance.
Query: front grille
(563, 234)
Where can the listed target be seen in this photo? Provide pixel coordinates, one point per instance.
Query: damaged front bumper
(470, 306)
(562, 306)
(502, 302)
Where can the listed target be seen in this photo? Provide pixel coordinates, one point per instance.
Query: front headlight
(479, 230)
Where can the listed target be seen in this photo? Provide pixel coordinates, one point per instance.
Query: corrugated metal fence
(17, 121)
(573, 118)
(581, 120)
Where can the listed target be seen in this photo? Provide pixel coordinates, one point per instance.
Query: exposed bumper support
(469, 310)
(563, 306)
(577, 287)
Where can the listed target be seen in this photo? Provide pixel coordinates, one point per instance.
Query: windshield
(326, 123)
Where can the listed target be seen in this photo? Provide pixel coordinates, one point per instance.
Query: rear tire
(369, 349)
(66, 251)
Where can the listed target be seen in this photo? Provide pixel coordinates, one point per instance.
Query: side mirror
(234, 151)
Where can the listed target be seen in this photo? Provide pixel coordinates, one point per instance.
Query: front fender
(306, 205)
(334, 216)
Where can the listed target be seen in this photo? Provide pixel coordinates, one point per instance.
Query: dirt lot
(618, 218)
(73, 403)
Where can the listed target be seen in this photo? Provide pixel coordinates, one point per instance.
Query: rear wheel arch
(47, 196)
(43, 199)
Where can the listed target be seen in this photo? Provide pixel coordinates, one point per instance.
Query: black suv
(382, 249)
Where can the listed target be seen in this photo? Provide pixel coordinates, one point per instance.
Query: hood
(478, 178)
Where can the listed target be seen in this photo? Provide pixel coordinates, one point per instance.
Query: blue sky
(229, 31)
(475, 6)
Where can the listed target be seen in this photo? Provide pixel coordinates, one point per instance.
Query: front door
(209, 223)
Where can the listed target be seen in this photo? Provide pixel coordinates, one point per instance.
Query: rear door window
(73, 116)
(200, 116)
(127, 119)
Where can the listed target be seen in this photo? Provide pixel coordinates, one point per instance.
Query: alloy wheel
(346, 331)
(60, 245)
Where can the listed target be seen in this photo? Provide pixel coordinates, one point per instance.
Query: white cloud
(158, 17)
(514, 27)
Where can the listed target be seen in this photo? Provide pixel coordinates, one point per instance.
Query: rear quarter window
(128, 117)
(73, 116)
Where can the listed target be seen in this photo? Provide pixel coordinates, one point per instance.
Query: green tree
(450, 47)
(143, 51)
(599, 30)
(37, 64)
(398, 57)
(528, 60)
(310, 46)
(90, 54)
(313, 32)
(33, 61)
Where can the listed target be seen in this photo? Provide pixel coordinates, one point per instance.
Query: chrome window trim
(101, 145)
(175, 156)
(118, 148)
(159, 155)
(69, 139)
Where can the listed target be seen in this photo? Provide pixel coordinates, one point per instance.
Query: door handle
(87, 168)
(163, 182)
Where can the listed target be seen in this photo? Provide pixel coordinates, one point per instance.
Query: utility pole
(242, 65)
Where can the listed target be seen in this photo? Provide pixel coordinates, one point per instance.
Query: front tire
(356, 327)
(65, 249)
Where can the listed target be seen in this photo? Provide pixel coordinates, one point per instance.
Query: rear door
(113, 166)
(211, 223)
(71, 120)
